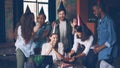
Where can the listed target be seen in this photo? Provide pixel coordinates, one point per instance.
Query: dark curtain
(17, 11)
(2, 21)
(52, 10)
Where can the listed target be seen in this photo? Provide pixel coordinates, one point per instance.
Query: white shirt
(63, 30)
(87, 43)
(27, 49)
(46, 47)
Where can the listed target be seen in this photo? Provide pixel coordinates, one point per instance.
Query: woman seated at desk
(54, 48)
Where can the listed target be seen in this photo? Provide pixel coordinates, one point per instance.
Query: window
(35, 6)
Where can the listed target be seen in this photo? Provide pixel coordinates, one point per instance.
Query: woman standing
(24, 42)
(83, 38)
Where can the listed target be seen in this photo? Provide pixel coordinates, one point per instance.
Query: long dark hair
(27, 24)
(86, 33)
(56, 45)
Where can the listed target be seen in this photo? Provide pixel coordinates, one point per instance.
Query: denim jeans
(90, 61)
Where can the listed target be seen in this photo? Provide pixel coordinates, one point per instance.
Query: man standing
(106, 35)
(64, 28)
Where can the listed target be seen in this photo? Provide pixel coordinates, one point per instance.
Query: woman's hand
(71, 53)
(54, 49)
(72, 25)
(35, 29)
(72, 59)
(54, 24)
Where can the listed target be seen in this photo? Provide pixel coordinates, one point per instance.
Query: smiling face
(96, 11)
(41, 19)
(61, 15)
(53, 39)
(79, 34)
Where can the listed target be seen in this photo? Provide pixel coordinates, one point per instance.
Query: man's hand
(97, 48)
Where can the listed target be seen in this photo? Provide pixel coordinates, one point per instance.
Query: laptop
(47, 62)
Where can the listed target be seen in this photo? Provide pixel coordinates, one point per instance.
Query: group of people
(65, 41)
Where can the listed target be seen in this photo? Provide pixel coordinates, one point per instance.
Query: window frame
(37, 6)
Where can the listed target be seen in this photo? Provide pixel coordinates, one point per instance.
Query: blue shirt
(106, 36)
(40, 32)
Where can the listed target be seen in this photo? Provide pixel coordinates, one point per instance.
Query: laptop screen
(47, 61)
(41, 61)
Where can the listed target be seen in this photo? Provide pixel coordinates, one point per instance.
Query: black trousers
(90, 61)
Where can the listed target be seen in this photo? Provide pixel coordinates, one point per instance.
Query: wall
(84, 10)
(6, 22)
(13, 10)
(2, 20)
(70, 6)
(10, 5)
(9, 20)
